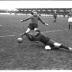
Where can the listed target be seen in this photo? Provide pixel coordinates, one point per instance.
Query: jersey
(40, 37)
(55, 15)
(34, 19)
(70, 19)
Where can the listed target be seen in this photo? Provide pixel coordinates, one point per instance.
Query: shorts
(70, 19)
(32, 26)
(70, 23)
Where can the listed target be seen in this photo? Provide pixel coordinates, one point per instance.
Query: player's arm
(42, 21)
(25, 19)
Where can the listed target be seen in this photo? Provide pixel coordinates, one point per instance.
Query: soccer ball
(47, 47)
(19, 40)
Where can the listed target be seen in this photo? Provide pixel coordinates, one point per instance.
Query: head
(34, 13)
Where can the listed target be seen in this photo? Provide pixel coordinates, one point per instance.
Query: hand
(46, 24)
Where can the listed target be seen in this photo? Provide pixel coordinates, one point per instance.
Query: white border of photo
(35, 4)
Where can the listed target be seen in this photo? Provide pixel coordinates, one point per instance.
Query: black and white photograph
(35, 35)
(35, 0)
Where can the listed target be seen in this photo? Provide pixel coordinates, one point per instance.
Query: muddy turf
(31, 55)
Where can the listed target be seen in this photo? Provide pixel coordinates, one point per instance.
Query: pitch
(30, 55)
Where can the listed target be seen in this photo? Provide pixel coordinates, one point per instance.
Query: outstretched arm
(42, 21)
(25, 20)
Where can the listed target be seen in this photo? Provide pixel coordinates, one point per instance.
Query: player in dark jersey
(33, 22)
(55, 16)
(48, 43)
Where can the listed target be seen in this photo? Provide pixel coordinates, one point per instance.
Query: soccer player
(33, 22)
(64, 15)
(55, 16)
(48, 43)
(70, 20)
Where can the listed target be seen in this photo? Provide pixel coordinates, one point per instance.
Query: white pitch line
(8, 36)
(1, 25)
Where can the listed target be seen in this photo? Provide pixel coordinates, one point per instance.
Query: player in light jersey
(70, 20)
(48, 43)
(33, 22)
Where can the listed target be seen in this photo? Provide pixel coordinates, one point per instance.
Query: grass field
(30, 55)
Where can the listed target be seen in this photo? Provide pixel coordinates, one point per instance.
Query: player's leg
(65, 47)
(36, 28)
(54, 18)
(56, 45)
(27, 31)
(69, 22)
(69, 25)
(30, 27)
(59, 45)
(48, 43)
(64, 15)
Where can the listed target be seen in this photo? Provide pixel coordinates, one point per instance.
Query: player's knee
(57, 44)
(36, 29)
(50, 43)
(28, 30)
